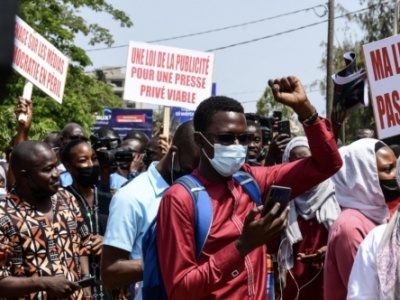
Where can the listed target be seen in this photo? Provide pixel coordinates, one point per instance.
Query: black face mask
(87, 177)
(390, 189)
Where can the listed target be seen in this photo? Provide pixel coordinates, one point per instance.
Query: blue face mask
(228, 159)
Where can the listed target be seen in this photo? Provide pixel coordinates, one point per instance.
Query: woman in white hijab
(376, 271)
(303, 244)
(364, 188)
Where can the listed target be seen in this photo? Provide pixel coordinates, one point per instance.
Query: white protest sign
(168, 76)
(382, 60)
(39, 61)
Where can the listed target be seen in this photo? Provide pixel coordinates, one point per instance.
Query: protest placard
(168, 76)
(382, 60)
(39, 61)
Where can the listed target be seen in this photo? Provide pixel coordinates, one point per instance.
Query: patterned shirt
(44, 248)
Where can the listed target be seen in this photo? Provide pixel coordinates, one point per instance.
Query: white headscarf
(357, 182)
(319, 202)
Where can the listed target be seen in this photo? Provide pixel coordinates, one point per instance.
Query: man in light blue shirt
(135, 206)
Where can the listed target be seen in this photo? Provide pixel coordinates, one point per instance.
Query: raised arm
(289, 91)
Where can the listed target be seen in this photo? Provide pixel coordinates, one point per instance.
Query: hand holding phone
(276, 193)
(313, 258)
(89, 281)
(284, 127)
(260, 231)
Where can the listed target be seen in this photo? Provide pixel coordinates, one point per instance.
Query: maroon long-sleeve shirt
(220, 272)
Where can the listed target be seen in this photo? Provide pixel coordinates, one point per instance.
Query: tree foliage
(60, 23)
(377, 21)
(267, 104)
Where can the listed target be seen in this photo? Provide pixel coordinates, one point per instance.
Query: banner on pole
(126, 119)
(39, 61)
(168, 76)
(350, 88)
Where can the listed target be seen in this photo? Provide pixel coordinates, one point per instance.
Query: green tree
(377, 21)
(267, 104)
(60, 23)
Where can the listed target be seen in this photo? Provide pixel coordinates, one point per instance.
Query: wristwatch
(310, 120)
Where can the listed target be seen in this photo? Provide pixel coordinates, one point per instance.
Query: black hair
(66, 130)
(137, 135)
(65, 154)
(105, 137)
(25, 153)
(183, 137)
(53, 139)
(206, 110)
(106, 131)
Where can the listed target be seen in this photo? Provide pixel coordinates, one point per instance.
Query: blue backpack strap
(153, 285)
(203, 210)
(250, 185)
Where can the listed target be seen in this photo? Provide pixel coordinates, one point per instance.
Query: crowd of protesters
(76, 208)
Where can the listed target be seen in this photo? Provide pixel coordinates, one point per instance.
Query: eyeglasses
(230, 138)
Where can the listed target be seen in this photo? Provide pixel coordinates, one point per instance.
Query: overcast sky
(240, 71)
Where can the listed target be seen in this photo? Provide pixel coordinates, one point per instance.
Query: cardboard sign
(39, 61)
(383, 67)
(126, 119)
(168, 76)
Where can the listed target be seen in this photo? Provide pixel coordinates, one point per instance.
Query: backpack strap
(203, 209)
(250, 185)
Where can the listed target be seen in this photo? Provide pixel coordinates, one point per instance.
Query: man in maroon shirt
(232, 262)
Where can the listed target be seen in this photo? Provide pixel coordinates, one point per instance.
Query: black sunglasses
(229, 138)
